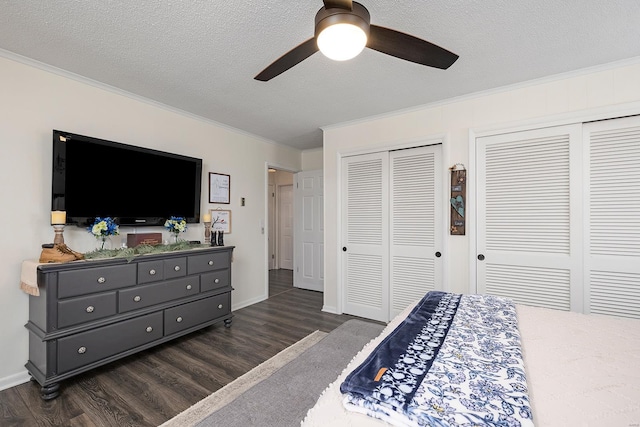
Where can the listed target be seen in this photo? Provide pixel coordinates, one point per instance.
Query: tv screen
(137, 186)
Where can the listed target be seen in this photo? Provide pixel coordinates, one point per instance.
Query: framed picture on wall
(221, 220)
(219, 188)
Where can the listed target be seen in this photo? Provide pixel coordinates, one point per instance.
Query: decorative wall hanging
(221, 220)
(458, 199)
(219, 188)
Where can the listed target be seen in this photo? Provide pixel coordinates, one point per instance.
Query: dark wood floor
(151, 387)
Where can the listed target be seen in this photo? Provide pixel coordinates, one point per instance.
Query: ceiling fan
(343, 29)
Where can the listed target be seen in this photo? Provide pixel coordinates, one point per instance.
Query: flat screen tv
(137, 186)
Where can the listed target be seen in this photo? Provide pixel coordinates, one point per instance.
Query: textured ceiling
(201, 56)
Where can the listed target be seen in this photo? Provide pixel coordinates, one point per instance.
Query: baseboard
(247, 303)
(330, 309)
(14, 380)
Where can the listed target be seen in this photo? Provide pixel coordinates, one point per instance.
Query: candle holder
(59, 237)
(207, 232)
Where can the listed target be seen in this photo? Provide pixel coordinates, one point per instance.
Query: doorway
(280, 230)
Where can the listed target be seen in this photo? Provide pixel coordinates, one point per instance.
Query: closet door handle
(481, 257)
(438, 254)
(344, 249)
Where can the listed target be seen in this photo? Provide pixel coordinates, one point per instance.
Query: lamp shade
(342, 34)
(342, 41)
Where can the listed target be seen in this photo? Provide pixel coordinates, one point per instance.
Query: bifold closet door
(365, 235)
(392, 230)
(612, 206)
(416, 224)
(529, 220)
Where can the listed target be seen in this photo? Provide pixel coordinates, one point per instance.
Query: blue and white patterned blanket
(455, 360)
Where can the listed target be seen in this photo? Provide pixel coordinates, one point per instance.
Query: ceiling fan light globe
(342, 41)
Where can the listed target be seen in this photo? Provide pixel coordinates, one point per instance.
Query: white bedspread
(582, 370)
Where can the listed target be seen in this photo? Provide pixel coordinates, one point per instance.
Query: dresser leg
(227, 323)
(50, 391)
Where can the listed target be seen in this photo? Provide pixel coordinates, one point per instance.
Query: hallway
(280, 281)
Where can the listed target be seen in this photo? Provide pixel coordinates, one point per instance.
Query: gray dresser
(90, 313)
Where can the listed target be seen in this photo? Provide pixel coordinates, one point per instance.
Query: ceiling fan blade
(409, 48)
(340, 4)
(288, 60)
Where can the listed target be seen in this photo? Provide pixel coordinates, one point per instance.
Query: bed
(581, 370)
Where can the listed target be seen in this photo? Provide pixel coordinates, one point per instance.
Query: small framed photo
(219, 188)
(221, 220)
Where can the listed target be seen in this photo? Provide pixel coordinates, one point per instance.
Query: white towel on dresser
(29, 277)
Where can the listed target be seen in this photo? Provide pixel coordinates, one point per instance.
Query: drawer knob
(149, 329)
(188, 287)
(90, 309)
(137, 298)
(101, 280)
(220, 306)
(210, 262)
(82, 350)
(216, 281)
(179, 319)
(176, 268)
(152, 272)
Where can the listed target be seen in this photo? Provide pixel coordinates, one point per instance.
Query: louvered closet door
(612, 247)
(416, 224)
(529, 196)
(365, 235)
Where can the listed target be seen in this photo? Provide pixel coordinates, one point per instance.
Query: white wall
(611, 87)
(33, 102)
(312, 159)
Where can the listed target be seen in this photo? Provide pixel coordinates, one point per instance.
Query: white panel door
(529, 221)
(285, 229)
(365, 235)
(416, 224)
(309, 233)
(612, 206)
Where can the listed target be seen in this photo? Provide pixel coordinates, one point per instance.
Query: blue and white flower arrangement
(103, 228)
(176, 225)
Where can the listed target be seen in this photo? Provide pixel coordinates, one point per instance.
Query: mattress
(582, 370)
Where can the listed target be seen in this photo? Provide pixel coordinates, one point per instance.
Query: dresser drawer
(86, 309)
(91, 346)
(215, 280)
(185, 316)
(150, 271)
(154, 271)
(99, 279)
(156, 293)
(207, 262)
(175, 267)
